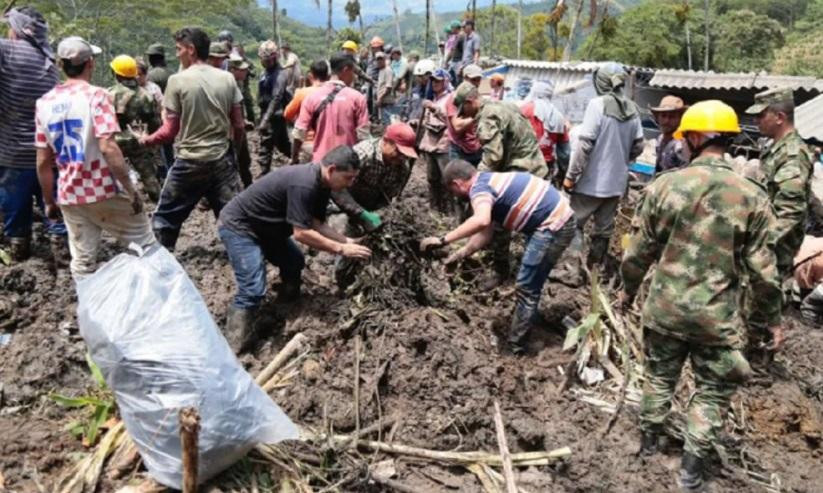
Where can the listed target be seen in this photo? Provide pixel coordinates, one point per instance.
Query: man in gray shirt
(471, 44)
(610, 137)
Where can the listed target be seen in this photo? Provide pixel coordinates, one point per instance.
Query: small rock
(311, 370)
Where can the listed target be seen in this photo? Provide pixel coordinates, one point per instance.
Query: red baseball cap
(403, 137)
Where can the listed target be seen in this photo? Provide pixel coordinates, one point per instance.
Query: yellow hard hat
(350, 45)
(124, 66)
(709, 116)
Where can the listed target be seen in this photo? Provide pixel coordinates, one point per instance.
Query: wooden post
(189, 431)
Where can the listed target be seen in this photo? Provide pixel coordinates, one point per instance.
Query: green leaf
(5, 257)
(101, 414)
(82, 401)
(577, 334)
(75, 428)
(96, 374)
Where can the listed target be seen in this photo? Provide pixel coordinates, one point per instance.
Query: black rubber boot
(648, 442)
(20, 248)
(289, 291)
(239, 328)
(597, 252)
(167, 238)
(691, 473)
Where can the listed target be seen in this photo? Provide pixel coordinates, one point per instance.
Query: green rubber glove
(370, 220)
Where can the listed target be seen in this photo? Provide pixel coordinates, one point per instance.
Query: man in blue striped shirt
(27, 71)
(520, 202)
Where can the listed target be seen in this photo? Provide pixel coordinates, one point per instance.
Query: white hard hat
(423, 66)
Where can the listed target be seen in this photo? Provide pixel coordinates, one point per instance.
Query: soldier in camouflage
(159, 73)
(509, 144)
(135, 108)
(786, 172)
(707, 228)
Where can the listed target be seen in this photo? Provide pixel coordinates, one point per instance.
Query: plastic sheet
(151, 334)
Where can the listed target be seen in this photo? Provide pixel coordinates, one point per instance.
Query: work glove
(371, 220)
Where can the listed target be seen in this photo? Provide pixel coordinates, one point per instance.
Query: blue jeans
(19, 190)
(248, 260)
(543, 250)
(187, 182)
(455, 152)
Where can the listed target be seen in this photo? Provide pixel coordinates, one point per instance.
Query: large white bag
(151, 334)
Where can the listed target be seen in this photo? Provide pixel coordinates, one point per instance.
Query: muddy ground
(430, 357)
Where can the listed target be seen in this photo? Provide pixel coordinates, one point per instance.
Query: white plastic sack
(152, 336)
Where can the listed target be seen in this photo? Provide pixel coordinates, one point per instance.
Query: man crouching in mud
(517, 201)
(262, 223)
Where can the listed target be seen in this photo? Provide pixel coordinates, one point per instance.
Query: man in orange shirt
(318, 75)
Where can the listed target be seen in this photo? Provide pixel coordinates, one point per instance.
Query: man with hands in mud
(262, 223)
(520, 202)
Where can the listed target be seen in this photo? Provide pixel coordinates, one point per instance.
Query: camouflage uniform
(134, 106)
(509, 144)
(160, 74)
(786, 173)
(707, 228)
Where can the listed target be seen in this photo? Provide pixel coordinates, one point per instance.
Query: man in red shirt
(337, 113)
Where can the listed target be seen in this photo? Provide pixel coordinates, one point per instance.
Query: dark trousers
(187, 183)
(248, 260)
(19, 191)
(273, 136)
(543, 250)
(243, 160)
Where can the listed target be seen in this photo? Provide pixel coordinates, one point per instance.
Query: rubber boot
(289, 291)
(648, 442)
(691, 473)
(812, 307)
(597, 252)
(167, 238)
(20, 248)
(239, 328)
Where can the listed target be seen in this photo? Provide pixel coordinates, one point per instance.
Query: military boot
(20, 248)
(691, 473)
(239, 328)
(597, 252)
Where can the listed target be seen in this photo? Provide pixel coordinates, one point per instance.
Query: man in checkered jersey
(75, 127)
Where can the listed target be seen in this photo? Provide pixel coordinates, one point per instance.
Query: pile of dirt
(429, 357)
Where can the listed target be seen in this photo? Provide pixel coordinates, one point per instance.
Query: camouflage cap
(218, 49)
(237, 62)
(763, 100)
(267, 49)
(464, 92)
(156, 49)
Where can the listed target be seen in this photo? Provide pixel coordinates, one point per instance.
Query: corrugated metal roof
(808, 118)
(701, 80)
(765, 81)
(560, 66)
(691, 79)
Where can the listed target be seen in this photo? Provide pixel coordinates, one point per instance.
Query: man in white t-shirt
(75, 127)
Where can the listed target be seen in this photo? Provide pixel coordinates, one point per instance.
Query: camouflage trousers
(144, 161)
(718, 370)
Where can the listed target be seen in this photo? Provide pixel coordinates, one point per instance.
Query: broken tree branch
(288, 350)
(357, 383)
(189, 431)
(521, 459)
(508, 471)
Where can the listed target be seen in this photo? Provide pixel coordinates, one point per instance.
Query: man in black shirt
(258, 226)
